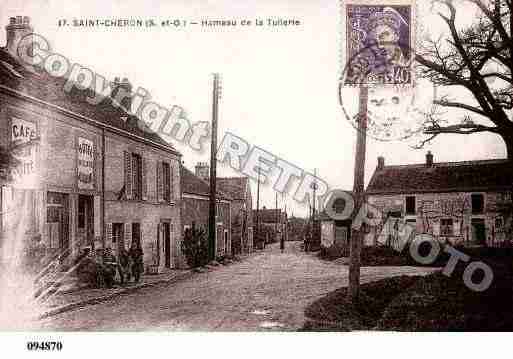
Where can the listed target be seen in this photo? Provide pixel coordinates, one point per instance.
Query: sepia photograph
(307, 172)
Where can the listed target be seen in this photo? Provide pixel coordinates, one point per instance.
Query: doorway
(57, 219)
(225, 242)
(166, 238)
(85, 220)
(118, 237)
(136, 234)
(478, 231)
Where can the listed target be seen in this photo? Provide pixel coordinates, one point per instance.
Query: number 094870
(44, 346)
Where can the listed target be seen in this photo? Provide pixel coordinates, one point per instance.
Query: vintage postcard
(198, 166)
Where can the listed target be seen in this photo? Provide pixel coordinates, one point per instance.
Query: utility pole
(212, 230)
(359, 196)
(314, 191)
(313, 228)
(258, 208)
(276, 215)
(286, 231)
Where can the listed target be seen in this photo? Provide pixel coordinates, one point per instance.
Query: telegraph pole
(258, 208)
(276, 215)
(359, 196)
(212, 230)
(314, 191)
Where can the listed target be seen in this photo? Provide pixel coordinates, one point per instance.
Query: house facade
(272, 224)
(461, 203)
(239, 191)
(195, 209)
(334, 234)
(89, 176)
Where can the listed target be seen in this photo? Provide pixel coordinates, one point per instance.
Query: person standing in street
(136, 254)
(110, 266)
(124, 265)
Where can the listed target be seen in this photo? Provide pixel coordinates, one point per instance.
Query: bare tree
(479, 59)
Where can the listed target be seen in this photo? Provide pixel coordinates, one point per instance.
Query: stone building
(239, 191)
(462, 203)
(89, 175)
(195, 209)
(334, 234)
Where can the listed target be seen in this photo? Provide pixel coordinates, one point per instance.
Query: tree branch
(424, 142)
(460, 129)
(446, 103)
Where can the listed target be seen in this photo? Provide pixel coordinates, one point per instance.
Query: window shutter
(143, 179)
(159, 236)
(160, 182)
(108, 233)
(128, 234)
(171, 182)
(128, 174)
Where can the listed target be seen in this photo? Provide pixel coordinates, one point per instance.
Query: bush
(195, 247)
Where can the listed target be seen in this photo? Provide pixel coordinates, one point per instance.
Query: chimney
(381, 162)
(18, 28)
(429, 159)
(202, 170)
(122, 93)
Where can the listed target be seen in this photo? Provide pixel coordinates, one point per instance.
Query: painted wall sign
(23, 132)
(85, 165)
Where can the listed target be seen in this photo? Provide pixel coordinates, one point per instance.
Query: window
(166, 177)
(477, 203)
(446, 228)
(117, 232)
(53, 214)
(136, 176)
(410, 204)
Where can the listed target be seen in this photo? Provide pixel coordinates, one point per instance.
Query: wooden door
(166, 237)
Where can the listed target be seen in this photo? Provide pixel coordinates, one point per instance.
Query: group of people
(100, 269)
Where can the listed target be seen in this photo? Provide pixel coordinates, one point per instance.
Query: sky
(279, 84)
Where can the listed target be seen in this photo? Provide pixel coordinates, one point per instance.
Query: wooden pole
(359, 197)
(314, 193)
(212, 230)
(258, 209)
(276, 216)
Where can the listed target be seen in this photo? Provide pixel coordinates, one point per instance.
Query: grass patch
(423, 303)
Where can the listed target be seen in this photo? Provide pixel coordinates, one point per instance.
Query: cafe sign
(85, 168)
(22, 133)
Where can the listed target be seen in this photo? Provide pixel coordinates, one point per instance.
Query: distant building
(239, 191)
(195, 209)
(296, 228)
(462, 203)
(90, 175)
(273, 223)
(334, 234)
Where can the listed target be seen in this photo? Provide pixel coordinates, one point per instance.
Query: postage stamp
(379, 43)
(378, 52)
